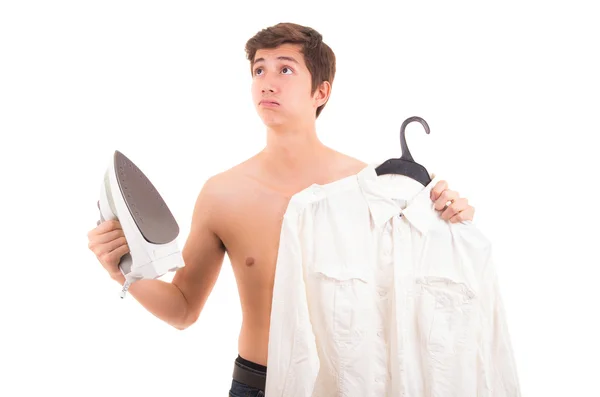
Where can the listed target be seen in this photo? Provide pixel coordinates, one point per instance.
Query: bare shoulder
(219, 189)
(225, 191)
(348, 165)
(218, 196)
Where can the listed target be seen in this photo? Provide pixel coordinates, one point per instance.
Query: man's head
(292, 66)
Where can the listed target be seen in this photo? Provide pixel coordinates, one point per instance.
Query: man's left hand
(453, 207)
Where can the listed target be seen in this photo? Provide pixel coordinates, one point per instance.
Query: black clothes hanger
(405, 165)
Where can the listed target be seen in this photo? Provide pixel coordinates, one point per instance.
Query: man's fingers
(112, 258)
(104, 227)
(118, 252)
(455, 208)
(447, 195)
(108, 246)
(120, 245)
(438, 189)
(464, 215)
(114, 244)
(109, 236)
(109, 225)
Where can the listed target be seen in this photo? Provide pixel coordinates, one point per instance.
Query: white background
(510, 91)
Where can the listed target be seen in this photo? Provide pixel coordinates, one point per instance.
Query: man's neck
(293, 149)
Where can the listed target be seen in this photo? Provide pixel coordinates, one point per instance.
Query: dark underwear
(249, 373)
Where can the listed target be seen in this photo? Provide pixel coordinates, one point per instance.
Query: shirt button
(382, 293)
(380, 334)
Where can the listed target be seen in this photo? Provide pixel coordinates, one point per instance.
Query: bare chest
(251, 230)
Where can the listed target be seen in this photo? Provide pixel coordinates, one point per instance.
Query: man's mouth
(269, 103)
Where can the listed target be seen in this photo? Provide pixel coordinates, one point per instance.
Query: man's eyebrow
(281, 58)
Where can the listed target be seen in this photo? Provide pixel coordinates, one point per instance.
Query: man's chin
(273, 123)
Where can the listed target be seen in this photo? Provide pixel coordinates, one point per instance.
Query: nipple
(249, 261)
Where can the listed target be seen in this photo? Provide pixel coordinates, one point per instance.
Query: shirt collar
(380, 191)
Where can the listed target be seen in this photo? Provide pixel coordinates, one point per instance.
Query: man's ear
(322, 93)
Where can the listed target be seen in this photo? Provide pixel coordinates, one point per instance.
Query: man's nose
(268, 85)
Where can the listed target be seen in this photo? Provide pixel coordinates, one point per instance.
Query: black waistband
(251, 364)
(250, 373)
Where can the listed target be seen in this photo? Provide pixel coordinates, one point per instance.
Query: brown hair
(319, 58)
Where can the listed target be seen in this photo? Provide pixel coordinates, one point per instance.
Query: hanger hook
(405, 152)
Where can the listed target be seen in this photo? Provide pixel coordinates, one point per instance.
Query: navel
(249, 261)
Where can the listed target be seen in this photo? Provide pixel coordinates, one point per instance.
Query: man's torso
(252, 204)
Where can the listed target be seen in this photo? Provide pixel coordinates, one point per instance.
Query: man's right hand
(107, 241)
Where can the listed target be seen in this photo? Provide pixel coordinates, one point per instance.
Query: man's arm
(180, 302)
(203, 254)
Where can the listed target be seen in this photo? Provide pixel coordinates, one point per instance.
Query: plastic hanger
(406, 165)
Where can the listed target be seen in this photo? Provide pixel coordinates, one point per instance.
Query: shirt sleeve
(292, 364)
(499, 366)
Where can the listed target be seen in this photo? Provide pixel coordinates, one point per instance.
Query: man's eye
(283, 69)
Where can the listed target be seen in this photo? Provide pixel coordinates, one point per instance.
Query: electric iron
(149, 226)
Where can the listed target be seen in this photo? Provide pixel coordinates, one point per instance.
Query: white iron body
(149, 227)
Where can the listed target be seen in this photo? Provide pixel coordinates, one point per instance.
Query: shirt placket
(402, 270)
(383, 297)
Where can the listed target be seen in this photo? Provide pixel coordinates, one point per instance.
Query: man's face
(280, 75)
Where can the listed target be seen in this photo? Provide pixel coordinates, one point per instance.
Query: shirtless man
(240, 211)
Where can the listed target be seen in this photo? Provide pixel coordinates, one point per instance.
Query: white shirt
(376, 295)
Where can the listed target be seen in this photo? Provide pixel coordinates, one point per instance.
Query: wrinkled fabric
(376, 295)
